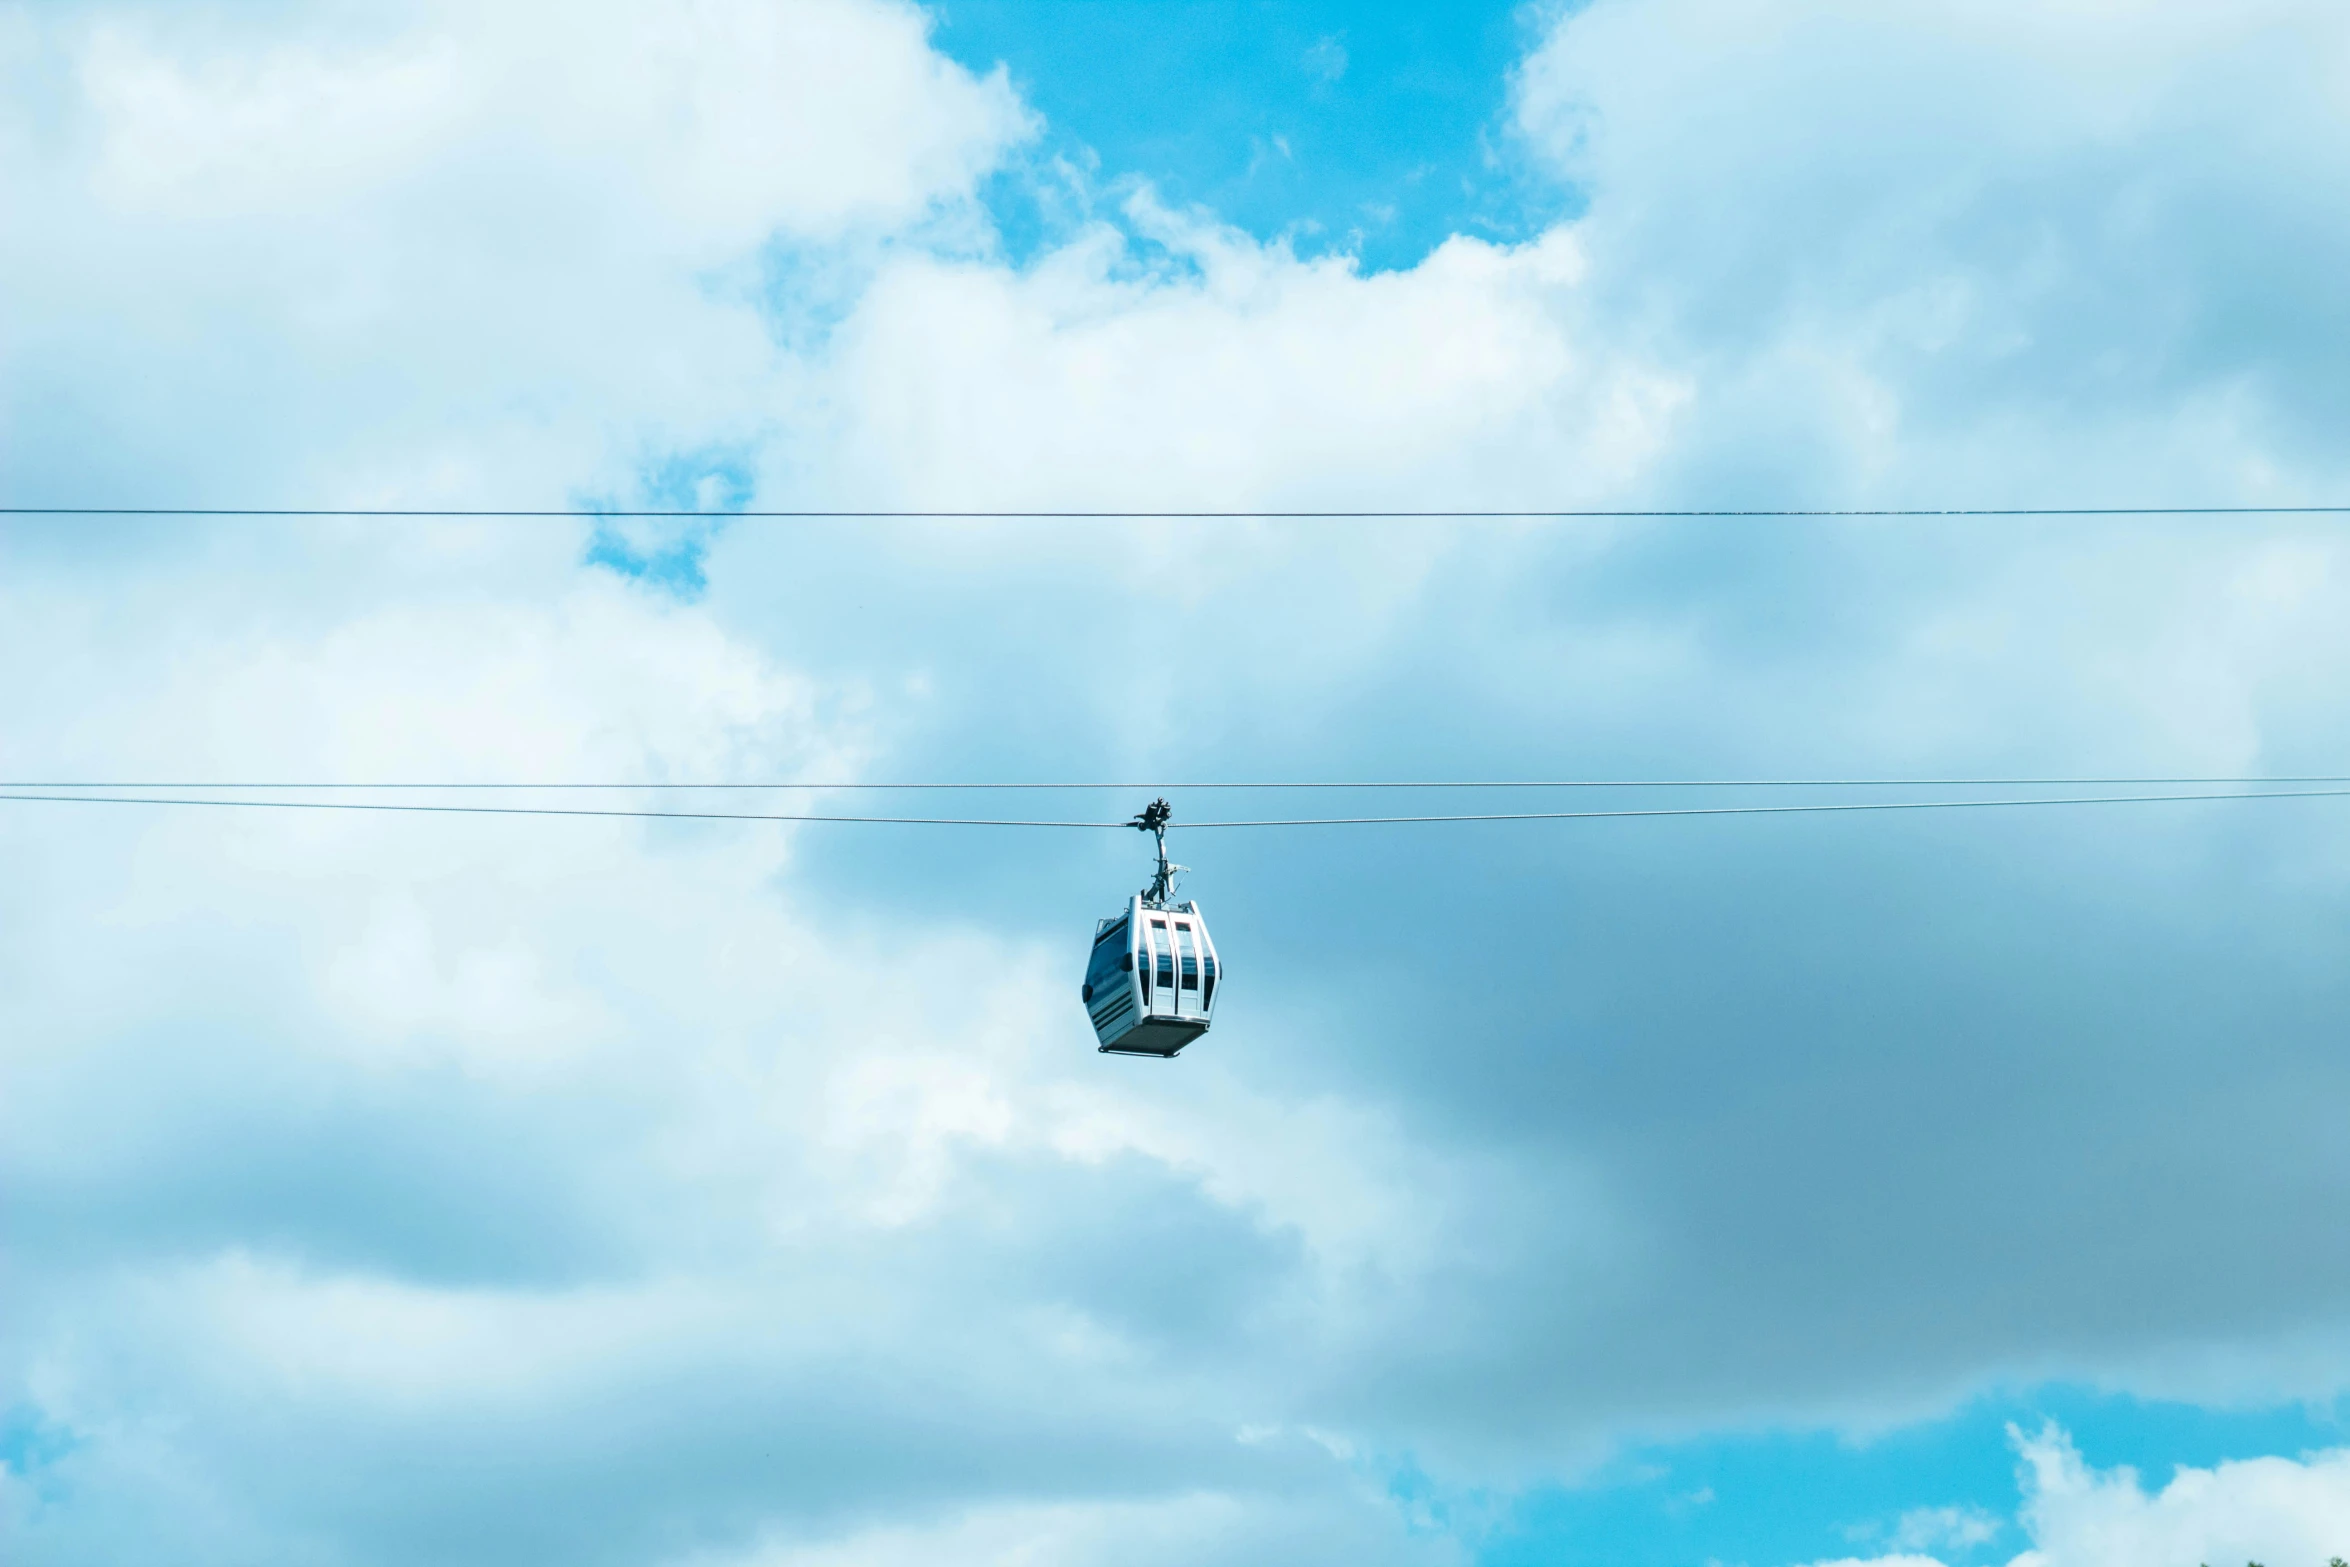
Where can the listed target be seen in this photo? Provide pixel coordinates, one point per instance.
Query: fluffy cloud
(2269, 1509)
(392, 1188)
(1981, 253)
(2259, 1509)
(441, 1145)
(525, 246)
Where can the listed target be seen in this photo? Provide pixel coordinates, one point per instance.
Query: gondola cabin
(1151, 985)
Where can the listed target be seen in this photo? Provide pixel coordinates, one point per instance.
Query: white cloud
(2259, 1509)
(1929, 1528)
(695, 132)
(1243, 375)
(1985, 265)
(1174, 1532)
(1326, 59)
(426, 1145)
(525, 246)
(1960, 1528)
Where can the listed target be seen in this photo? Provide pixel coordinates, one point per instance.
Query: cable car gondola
(1150, 986)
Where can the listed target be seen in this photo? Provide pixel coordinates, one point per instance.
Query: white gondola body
(1150, 986)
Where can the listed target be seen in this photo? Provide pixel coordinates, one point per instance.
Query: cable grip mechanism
(1153, 819)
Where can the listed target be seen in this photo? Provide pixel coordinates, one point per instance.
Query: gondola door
(1146, 966)
(1186, 970)
(1160, 992)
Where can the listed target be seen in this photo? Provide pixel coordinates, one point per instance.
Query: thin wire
(542, 810)
(1529, 515)
(1465, 783)
(1772, 810)
(1293, 821)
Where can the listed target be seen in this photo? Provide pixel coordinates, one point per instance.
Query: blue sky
(1374, 130)
(1789, 1496)
(1957, 1189)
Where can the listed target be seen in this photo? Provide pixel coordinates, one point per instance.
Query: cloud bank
(2259, 1509)
(482, 1191)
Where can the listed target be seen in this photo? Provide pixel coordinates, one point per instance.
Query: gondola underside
(1156, 1036)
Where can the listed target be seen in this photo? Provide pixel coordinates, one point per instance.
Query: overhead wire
(1365, 514)
(837, 514)
(1198, 826)
(806, 785)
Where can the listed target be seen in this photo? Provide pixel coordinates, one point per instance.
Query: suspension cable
(848, 786)
(1369, 514)
(1292, 821)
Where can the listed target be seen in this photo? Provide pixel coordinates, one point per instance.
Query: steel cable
(1293, 821)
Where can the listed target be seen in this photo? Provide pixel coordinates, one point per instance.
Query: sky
(1960, 1188)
